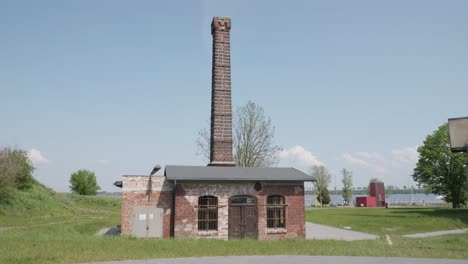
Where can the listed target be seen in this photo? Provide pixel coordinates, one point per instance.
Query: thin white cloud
(384, 163)
(364, 154)
(351, 159)
(407, 155)
(297, 156)
(103, 162)
(373, 161)
(36, 157)
(370, 155)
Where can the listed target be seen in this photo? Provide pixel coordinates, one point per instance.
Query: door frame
(242, 206)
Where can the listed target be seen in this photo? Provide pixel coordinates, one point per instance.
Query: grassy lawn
(62, 229)
(395, 221)
(77, 242)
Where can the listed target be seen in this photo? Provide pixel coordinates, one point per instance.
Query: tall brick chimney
(221, 110)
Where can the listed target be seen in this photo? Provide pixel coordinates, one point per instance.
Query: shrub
(15, 171)
(83, 182)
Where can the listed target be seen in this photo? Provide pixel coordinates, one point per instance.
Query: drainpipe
(173, 210)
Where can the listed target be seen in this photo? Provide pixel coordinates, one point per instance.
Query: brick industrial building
(219, 200)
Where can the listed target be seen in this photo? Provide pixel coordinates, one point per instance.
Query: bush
(83, 182)
(15, 171)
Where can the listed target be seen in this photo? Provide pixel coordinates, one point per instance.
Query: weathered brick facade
(135, 193)
(179, 197)
(186, 200)
(221, 110)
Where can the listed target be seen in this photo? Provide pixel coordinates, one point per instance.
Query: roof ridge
(206, 173)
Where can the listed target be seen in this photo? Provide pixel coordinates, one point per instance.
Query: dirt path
(437, 233)
(316, 231)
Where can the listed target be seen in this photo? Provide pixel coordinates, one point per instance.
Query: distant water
(416, 199)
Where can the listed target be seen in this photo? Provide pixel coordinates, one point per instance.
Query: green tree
(253, 138)
(347, 180)
(83, 182)
(15, 171)
(440, 171)
(323, 177)
(324, 196)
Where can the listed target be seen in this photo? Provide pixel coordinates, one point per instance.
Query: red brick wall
(295, 214)
(185, 219)
(221, 110)
(187, 200)
(135, 193)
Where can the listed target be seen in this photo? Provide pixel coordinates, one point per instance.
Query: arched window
(276, 212)
(207, 213)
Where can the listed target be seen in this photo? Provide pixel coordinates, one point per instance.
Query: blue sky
(117, 86)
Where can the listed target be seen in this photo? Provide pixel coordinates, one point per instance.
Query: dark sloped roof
(212, 173)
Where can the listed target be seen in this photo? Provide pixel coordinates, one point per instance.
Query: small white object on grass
(389, 241)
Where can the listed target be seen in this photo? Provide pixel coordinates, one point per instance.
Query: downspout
(173, 210)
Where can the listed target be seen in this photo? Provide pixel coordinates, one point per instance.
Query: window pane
(276, 212)
(207, 213)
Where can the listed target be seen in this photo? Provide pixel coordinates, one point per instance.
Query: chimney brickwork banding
(221, 109)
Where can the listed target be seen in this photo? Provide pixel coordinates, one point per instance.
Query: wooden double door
(243, 219)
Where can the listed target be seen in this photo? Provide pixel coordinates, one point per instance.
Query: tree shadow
(454, 215)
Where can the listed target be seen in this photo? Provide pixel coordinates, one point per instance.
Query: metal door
(243, 218)
(147, 221)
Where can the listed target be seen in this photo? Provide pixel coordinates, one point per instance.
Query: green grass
(61, 228)
(396, 221)
(77, 242)
(41, 206)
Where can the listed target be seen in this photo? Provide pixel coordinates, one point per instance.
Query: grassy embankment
(52, 228)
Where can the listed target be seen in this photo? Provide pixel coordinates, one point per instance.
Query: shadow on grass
(454, 215)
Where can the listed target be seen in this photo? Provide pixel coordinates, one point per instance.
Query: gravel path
(316, 231)
(289, 260)
(437, 233)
